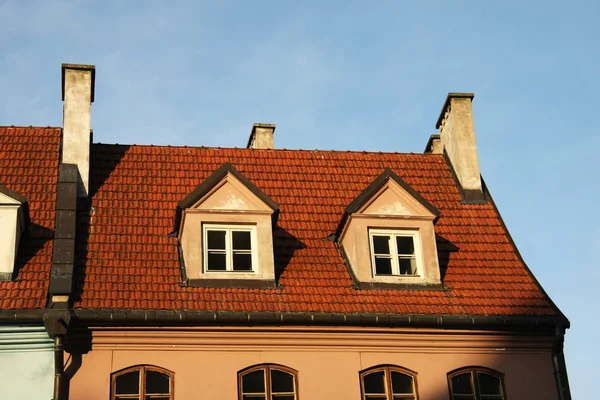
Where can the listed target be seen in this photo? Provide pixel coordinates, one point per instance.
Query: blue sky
(352, 75)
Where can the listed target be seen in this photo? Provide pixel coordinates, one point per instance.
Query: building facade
(259, 273)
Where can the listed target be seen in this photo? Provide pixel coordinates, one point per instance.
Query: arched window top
(142, 382)
(476, 383)
(268, 382)
(388, 382)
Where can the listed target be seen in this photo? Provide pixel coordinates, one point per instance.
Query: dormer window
(387, 236)
(14, 217)
(395, 253)
(229, 248)
(220, 225)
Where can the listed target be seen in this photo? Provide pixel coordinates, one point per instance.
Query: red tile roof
(29, 160)
(131, 261)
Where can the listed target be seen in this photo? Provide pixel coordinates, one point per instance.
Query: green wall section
(26, 362)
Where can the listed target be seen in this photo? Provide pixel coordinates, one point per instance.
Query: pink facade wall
(206, 363)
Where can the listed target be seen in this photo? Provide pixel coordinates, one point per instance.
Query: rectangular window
(394, 253)
(229, 248)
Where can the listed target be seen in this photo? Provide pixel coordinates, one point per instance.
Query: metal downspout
(560, 366)
(59, 367)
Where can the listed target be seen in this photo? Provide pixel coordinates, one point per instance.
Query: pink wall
(206, 361)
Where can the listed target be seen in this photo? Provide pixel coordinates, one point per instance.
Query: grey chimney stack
(457, 133)
(261, 136)
(78, 95)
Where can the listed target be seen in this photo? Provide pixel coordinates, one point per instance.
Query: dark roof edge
(564, 321)
(216, 176)
(22, 316)
(13, 195)
(123, 317)
(378, 182)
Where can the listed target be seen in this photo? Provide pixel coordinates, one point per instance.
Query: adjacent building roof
(129, 258)
(29, 158)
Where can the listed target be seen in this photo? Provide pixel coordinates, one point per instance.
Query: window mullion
(142, 394)
(268, 395)
(228, 250)
(394, 254)
(475, 380)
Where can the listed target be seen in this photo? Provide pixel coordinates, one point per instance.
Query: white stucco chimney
(78, 96)
(262, 136)
(457, 133)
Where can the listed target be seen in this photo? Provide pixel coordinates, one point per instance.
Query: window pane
(284, 397)
(242, 262)
(241, 240)
(216, 261)
(128, 383)
(489, 384)
(254, 382)
(157, 383)
(383, 266)
(216, 240)
(281, 382)
(374, 383)
(405, 245)
(404, 397)
(158, 398)
(381, 244)
(246, 397)
(401, 383)
(408, 266)
(461, 384)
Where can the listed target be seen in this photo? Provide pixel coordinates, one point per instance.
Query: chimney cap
(259, 125)
(81, 67)
(435, 136)
(447, 102)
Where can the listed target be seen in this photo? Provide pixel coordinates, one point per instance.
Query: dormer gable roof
(378, 183)
(389, 195)
(11, 198)
(200, 197)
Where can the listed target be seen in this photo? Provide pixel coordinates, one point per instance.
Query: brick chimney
(261, 136)
(457, 134)
(78, 95)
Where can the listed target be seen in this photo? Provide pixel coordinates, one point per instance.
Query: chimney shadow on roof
(445, 249)
(84, 218)
(103, 161)
(284, 245)
(32, 243)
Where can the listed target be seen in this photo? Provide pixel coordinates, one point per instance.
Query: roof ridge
(29, 126)
(264, 150)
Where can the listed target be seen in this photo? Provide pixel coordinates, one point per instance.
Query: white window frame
(229, 228)
(393, 233)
